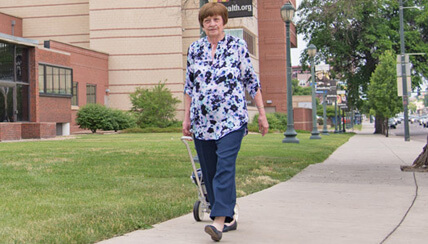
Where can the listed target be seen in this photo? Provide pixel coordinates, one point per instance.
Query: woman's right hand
(186, 127)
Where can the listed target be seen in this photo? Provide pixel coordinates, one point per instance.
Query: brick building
(39, 84)
(109, 48)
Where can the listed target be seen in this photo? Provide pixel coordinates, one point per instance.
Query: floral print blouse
(217, 87)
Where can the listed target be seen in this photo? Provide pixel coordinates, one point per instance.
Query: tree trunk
(385, 124)
(378, 125)
(420, 163)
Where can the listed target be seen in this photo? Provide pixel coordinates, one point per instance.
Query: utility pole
(403, 76)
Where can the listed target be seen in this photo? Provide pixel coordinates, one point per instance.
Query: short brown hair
(213, 9)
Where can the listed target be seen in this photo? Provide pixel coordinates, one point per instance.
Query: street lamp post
(312, 50)
(287, 14)
(324, 114)
(403, 76)
(335, 115)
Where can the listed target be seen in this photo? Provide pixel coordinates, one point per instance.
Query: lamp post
(335, 114)
(287, 14)
(403, 76)
(312, 50)
(324, 114)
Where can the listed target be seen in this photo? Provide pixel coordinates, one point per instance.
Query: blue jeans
(218, 161)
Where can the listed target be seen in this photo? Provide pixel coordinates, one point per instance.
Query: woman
(219, 71)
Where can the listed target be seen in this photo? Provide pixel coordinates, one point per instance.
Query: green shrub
(119, 120)
(277, 122)
(155, 107)
(96, 116)
(93, 117)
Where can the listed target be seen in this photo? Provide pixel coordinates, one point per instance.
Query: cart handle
(186, 138)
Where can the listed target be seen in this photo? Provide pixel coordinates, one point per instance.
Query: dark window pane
(91, 93)
(22, 97)
(6, 61)
(62, 81)
(68, 81)
(49, 79)
(22, 62)
(74, 100)
(41, 78)
(55, 80)
(5, 103)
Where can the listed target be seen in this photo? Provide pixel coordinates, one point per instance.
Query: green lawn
(94, 187)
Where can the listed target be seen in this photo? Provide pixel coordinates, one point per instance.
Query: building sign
(238, 8)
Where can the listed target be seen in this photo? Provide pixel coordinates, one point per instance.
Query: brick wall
(10, 131)
(272, 53)
(302, 119)
(26, 130)
(38, 130)
(55, 109)
(6, 25)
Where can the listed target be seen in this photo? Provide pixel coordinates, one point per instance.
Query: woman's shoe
(233, 226)
(213, 232)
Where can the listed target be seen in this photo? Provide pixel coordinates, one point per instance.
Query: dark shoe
(233, 226)
(213, 232)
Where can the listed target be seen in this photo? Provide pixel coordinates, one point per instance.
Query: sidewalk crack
(407, 212)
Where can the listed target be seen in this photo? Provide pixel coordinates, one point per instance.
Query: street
(417, 132)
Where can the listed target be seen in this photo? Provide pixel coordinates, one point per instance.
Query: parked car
(392, 123)
(424, 121)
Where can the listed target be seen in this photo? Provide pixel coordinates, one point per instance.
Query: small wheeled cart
(201, 205)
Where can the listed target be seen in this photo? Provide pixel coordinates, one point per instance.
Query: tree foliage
(351, 35)
(154, 107)
(384, 101)
(299, 90)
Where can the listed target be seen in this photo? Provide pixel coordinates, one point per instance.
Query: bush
(155, 107)
(277, 122)
(119, 120)
(96, 116)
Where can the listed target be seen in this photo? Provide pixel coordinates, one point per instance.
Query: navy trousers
(218, 161)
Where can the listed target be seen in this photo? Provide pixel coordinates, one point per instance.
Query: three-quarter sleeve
(249, 76)
(189, 80)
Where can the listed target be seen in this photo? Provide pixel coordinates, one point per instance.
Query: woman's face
(213, 26)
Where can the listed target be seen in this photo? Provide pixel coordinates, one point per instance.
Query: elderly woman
(219, 71)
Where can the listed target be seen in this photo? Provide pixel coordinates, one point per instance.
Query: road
(417, 132)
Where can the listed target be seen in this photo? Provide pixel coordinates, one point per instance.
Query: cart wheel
(198, 212)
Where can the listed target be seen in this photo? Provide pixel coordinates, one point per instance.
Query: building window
(41, 78)
(246, 36)
(6, 61)
(74, 98)
(55, 80)
(14, 82)
(91, 93)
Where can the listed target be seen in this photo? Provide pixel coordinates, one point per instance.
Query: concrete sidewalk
(358, 195)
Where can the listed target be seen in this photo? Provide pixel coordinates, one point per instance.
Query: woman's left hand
(263, 124)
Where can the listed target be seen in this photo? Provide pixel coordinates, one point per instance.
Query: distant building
(304, 76)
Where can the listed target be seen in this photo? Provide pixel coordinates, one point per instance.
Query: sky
(301, 45)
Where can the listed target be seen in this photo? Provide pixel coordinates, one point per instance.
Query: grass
(94, 187)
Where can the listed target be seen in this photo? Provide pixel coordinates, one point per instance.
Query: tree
(351, 35)
(412, 107)
(154, 107)
(298, 90)
(382, 94)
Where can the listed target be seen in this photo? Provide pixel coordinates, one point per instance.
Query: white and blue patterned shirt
(217, 86)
